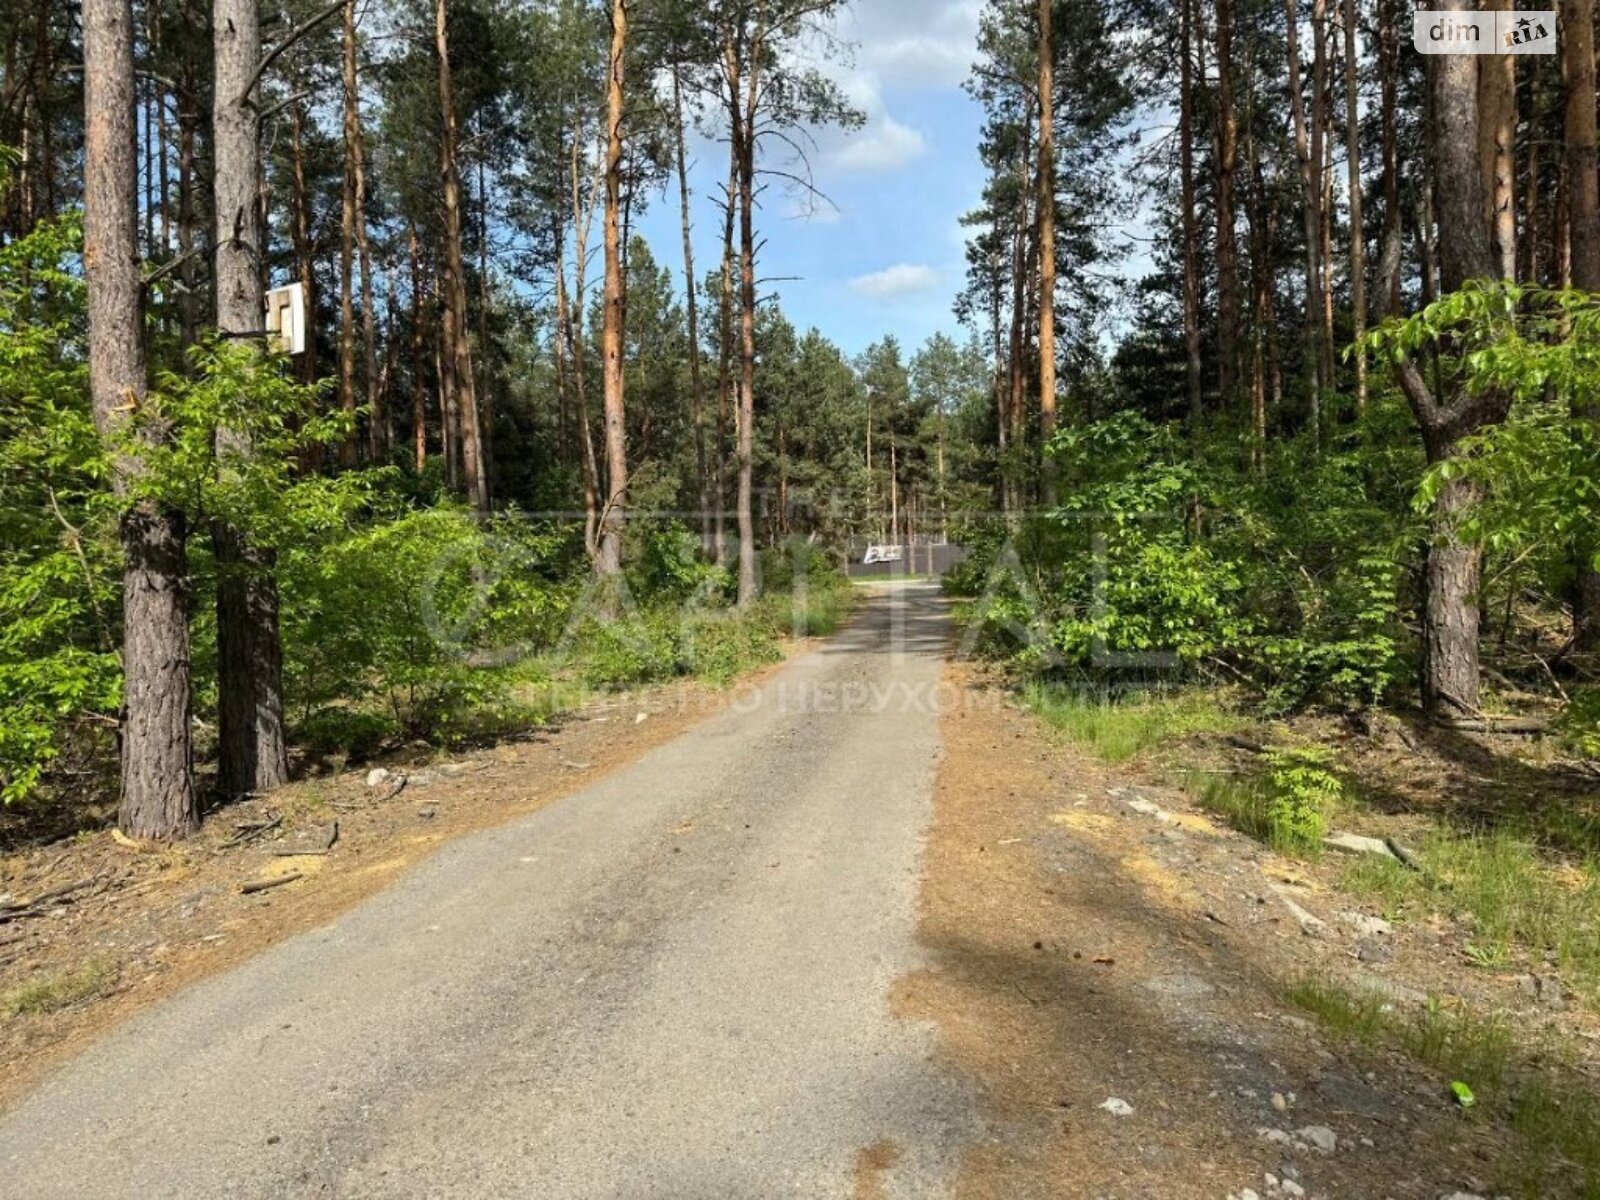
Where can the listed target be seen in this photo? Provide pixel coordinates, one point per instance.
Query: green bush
(430, 613)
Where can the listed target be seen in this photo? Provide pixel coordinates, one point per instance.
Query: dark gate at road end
(902, 560)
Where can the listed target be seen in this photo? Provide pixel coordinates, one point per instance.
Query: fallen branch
(262, 885)
(44, 901)
(1519, 726)
(250, 831)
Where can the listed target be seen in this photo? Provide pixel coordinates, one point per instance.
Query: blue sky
(890, 259)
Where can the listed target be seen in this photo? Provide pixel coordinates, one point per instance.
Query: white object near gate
(286, 317)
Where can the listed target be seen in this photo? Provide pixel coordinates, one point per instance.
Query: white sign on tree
(286, 317)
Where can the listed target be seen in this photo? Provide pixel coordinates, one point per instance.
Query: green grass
(55, 992)
(1533, 1087)
(1511, 897)
(1120, 729)
(815, 612)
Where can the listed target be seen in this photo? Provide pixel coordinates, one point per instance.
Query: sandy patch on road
(1083, 953)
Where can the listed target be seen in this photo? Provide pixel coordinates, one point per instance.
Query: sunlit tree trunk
(613, 513)
(1046, 204)
(157, 787)
(1497, 151)
(419, 394)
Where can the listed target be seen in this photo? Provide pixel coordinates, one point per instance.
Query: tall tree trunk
(1449, 675)
(457, 341)
(1308, 147)
(189, 298)
(691, 292)
(745, 90)
(1583, 185)
(1225, 167)
(609, 561)
(1191, 234)
(725, 359)
(1388, 108)
(251, 753)
(304, 252)
(349, 216)
(1046, 204)
(1497, 151)
(1583, 208)
(157, 788)
(1352, 148)
(419, 394)
(582, 211)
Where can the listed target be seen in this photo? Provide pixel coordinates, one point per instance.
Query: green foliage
(1289, 578)
(58, 548)
(1579, 728)
(430, 612)
(1288, 806)
(1305, 792)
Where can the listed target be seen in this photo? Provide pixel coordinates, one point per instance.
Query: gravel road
(672, 984)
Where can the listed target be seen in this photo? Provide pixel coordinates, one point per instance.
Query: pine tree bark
(1388, 107)
(1497, 150)
(304, 252)
(725, 386)
(691, 293)
(158, 798)
(1225, 166)
(457, 347)
(744, 82)
(1583, 216)
(348, 217)
(1046, 205)
(1583, 185)
(1191, 233)
(1308, 148)
(1449, 666)
(1358, 249)
(419, 395)
(252, 756)
(608, 563)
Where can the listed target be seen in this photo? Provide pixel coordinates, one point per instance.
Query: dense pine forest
(1275, 364)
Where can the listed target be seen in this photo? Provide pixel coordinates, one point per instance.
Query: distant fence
(892, 561)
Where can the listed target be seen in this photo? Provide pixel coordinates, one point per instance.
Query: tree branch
(294, 36)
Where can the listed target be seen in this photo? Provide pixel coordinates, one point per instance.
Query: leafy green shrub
(58, 545)
(1305, 792)
(719, 646)
(1288, 806)
(429, 613)
(629, 651)
(1579, 727)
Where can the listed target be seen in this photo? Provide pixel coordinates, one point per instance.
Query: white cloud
(896, 282)
(937, 53)
(883, 144)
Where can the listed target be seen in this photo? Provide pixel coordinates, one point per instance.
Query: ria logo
(1436, 31)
